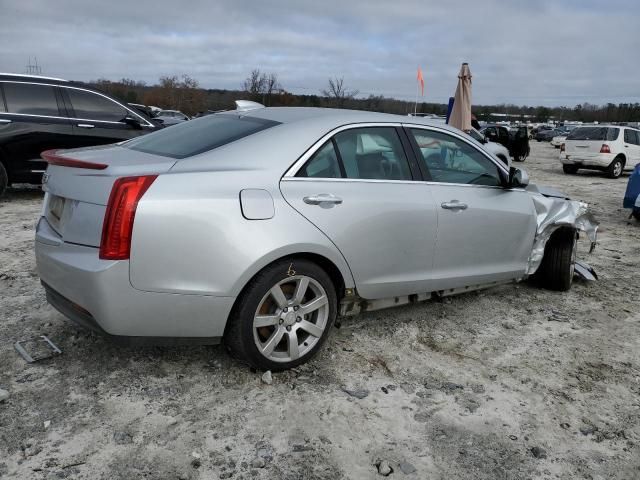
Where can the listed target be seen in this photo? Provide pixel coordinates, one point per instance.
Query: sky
(542, 52)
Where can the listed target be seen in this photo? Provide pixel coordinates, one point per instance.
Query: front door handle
(454, 205)
(322, 199)
(85, 125)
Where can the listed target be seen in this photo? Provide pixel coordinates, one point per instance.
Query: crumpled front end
(554, 212)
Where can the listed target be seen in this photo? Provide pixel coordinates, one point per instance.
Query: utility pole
(33, 68)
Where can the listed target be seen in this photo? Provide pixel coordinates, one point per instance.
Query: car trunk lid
(78, 184)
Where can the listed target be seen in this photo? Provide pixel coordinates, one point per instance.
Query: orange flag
(421, 80)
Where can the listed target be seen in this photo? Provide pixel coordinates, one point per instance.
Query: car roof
(34, 78)
(329, 118)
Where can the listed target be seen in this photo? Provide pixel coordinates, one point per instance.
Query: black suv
(41, 113)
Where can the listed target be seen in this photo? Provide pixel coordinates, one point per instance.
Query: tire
(283, 321)
(569, 169)
(636, 213)
(614, 170)
(4, 179)
(556, 270)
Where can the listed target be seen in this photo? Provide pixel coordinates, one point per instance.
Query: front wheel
(558, 264)
(283, 316)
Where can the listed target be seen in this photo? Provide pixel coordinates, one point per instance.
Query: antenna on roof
(33, 69)
(247, 105)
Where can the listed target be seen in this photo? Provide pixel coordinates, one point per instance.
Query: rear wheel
(570, 169)
(4, 179)
(283, 316)
(636, 213)
(558, 264)
(614, 170)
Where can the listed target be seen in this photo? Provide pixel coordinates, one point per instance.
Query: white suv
(609, 148)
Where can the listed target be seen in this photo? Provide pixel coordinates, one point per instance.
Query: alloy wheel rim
(290, 319)
(617, 169)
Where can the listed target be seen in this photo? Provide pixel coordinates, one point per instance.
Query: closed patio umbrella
(461, 113)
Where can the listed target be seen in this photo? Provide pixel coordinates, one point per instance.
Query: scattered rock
(122, 438)
(47, 424)
(227, 474)
(172, 421)
(450, 387)
(384, 389)
(196, 462)
(301, 447)
(508, 325)
(538, 452)
(513, 437)
(267, 378)
(588, 429)
(4, 395)
(565, 426)
(324, 440)
(258, 463)
(358, 393)
(384, 468)
(407, 468)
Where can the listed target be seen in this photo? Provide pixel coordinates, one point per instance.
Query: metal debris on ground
(37, 348)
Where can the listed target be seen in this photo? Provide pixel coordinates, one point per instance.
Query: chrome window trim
(145, 122)
(298, 164)
(410, 182)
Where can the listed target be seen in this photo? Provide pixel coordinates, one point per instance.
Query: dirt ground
(512, 382)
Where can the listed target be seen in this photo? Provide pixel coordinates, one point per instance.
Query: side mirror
(133, 122)
(518, 178)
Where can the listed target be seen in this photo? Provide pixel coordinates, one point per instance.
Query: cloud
(522, 52)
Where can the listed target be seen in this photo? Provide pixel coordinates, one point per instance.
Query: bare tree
(261, 86)
(337, 93)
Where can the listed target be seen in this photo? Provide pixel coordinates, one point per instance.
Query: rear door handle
(85, 125)
(322, 198)
(454, 205)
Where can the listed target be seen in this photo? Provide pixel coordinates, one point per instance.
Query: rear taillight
(562, 147)
(53, 158)
(118, 219)
(605, 148)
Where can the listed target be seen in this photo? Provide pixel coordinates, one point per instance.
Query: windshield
(197, 136)
(593, 133)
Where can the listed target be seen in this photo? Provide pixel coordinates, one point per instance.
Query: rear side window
(594, 133)
(373, 153)
(323, 164)
(199, 135)
(632, 136)
(92, 106)
(31, 99)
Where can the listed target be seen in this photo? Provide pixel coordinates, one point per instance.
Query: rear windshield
(593, 133)
(199, 135)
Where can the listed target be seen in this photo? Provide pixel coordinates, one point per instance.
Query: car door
(34, 121)
(485, 231)
(99, 120)
(631, 147)
(357, 186)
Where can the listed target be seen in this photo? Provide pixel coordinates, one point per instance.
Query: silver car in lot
(259, 226)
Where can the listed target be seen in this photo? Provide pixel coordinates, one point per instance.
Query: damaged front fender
(554, 211)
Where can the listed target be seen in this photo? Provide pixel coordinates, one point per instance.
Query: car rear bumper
(597, 160)
(98, 295)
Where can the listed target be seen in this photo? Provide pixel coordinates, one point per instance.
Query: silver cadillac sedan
(259, 226)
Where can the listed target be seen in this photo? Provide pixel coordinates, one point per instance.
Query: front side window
(31, 99)
(92, 106)
(450, 160)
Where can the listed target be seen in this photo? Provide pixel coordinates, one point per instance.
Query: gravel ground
(512, 382)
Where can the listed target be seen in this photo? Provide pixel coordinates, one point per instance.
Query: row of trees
(185, 94)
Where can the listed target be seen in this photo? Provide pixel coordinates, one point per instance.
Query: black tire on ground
(4, 179)
(239, 335)
(556, 270)
(614, 170)
(570, 169)
(636, 213)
